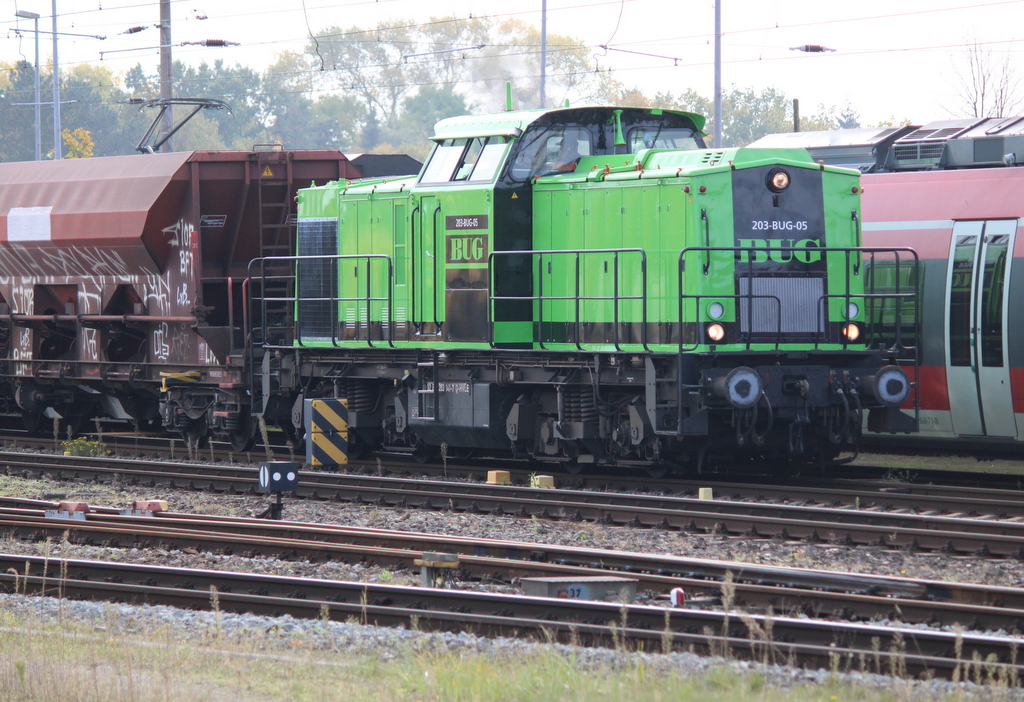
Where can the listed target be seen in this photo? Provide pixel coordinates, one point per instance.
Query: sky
(893, 60)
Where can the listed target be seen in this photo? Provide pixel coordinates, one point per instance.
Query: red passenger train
(954, 191)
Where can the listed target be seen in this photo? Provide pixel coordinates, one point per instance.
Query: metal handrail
(540, 297)
(854, 259)
(366, 300)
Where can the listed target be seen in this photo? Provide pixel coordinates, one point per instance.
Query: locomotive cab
(474, 197)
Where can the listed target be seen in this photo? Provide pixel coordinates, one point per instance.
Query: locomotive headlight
(741, 387)
(890, 386)
(851, 332)
(716, 310)
(716, 332)
(852, 310)
(778, 180)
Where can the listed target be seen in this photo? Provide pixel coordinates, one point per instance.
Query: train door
(977, 368)
(425, 248)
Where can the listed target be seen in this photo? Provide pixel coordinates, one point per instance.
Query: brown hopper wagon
(121, 282)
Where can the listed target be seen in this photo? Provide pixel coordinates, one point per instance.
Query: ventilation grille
(712, 158)
(930, 151)
(799, 304)
(317, 279)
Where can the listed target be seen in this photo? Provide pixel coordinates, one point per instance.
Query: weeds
(266, 439)
(83, 447)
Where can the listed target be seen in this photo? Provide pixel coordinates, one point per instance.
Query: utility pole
(35, 17)
(57, 141)
(57, 145)
(165, 66)
(543, 50)
(718, 74)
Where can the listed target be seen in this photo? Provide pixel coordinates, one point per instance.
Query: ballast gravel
(385, 642)
(282, 637)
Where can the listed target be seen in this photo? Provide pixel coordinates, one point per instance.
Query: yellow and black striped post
(327, 444)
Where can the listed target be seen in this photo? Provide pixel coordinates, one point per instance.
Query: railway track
(807, 642)
(998, 535)
(817, 593)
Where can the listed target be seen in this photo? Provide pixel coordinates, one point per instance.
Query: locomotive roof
(514, 123)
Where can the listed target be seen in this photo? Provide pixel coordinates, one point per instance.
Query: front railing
(778, 307)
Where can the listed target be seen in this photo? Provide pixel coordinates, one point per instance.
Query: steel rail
(813, 592)
(954, 535)
(809, 642)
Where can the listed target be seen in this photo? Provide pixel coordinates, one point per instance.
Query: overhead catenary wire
(526, 51)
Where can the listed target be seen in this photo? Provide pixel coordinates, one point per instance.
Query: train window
(490, 159)
(469, 159)
(465, 160)
(443, 162)
(993, 275)
(552, 150)
(660, 138)
(960, 290)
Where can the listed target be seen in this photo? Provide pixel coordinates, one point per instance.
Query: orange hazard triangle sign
(514, 196)
(267, 173)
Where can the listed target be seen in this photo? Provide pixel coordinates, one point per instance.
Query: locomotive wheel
(425, 453)
(658, 470)
(298, 441)
(357, 448)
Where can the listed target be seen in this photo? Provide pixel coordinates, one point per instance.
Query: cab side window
(473, 160)
(551, 151)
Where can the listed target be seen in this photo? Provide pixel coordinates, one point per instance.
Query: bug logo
(778, 250)
(466, 248)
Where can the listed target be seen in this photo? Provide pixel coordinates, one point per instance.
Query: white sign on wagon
(28, 224)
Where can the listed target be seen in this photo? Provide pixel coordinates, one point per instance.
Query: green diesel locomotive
(585, 286)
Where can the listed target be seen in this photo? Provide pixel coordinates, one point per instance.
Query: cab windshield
(556, 142)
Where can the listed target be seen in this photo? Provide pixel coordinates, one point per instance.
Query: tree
(240, 87)
(828, 118)
(96, 109)
(17, 136)
(79, 143)
(368, 63)
(986, 85)
(300, 116)
(746, 115)
(420, 112)
(848, 118)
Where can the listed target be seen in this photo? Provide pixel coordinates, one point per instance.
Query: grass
(901, 463)
(103, 661)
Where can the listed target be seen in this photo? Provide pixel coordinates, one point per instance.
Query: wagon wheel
(32, 421)
(195, 435)
(574, 467)
(242, 440)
